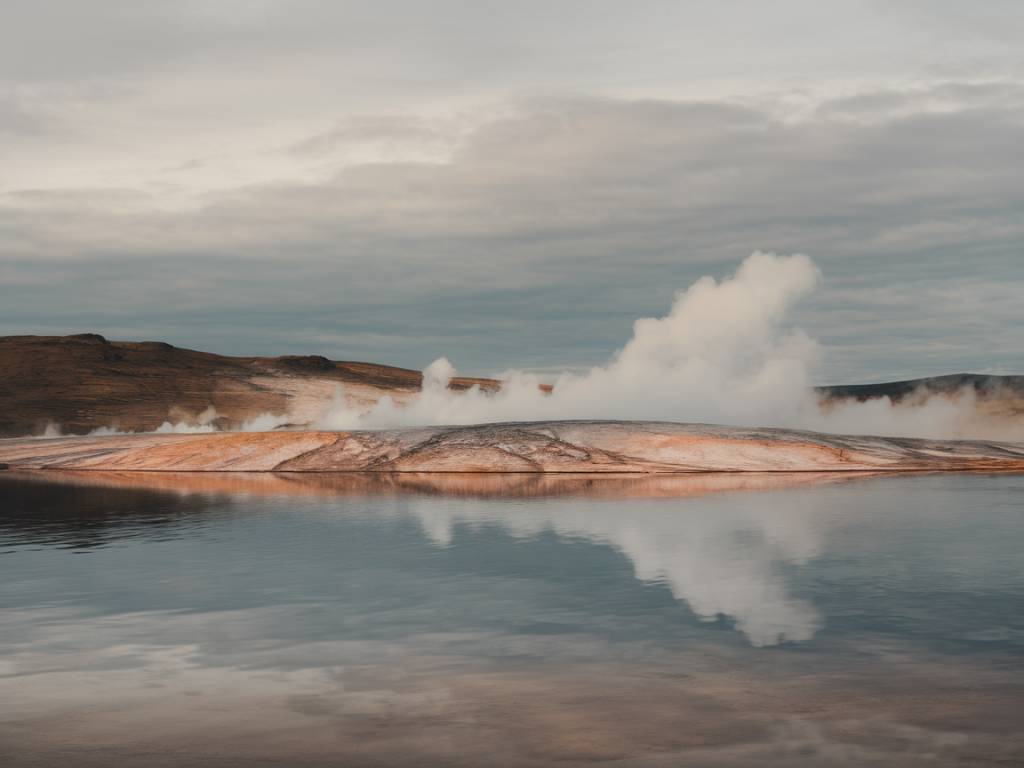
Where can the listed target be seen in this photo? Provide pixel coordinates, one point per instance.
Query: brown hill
(85, 381)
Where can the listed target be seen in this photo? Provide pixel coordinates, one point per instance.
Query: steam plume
(725, 353)
(722, 354)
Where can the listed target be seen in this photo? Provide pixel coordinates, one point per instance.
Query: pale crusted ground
(588, 446)
(309, 398)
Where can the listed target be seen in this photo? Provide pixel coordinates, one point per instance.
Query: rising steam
(724, 353)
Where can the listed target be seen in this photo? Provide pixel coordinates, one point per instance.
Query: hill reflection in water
(390, 619)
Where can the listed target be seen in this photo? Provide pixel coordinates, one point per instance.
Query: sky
(512, 185)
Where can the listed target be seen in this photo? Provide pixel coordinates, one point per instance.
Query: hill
(85, 381)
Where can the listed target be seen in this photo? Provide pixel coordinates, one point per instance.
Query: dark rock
(93, 338)
(307, 362)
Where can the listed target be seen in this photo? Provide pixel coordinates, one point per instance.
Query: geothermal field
(103, 405)
(567, 446)
(464, 384)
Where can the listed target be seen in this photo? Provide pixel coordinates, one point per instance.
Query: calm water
(295, 620)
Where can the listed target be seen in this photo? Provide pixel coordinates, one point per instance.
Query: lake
(217, 620)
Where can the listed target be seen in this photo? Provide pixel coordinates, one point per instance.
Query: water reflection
(723, 556)
(63, 512)
(317, 620)
(720, 558)
(481, 485)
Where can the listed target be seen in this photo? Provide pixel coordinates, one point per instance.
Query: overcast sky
(511, 184)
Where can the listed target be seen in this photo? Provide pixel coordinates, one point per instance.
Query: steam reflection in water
(716, 619)
(723, 559)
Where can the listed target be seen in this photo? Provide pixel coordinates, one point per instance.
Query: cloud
(552, 226)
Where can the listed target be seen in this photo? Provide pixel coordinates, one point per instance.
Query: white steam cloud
(204, 422)
(724, 353)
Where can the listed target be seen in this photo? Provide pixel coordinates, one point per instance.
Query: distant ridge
(983, 384)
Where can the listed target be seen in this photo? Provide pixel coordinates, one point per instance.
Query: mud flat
(535, 447)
